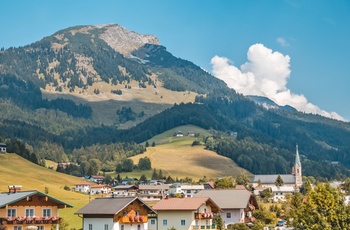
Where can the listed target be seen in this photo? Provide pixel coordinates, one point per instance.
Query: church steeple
(297, 169)
(297, 158)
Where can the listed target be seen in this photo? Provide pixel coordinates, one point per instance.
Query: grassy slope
(176, 157)
(16, 170)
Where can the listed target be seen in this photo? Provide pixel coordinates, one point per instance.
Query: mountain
(268, 103)
(85, 90)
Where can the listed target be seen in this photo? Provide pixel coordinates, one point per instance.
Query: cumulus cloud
(265, 74)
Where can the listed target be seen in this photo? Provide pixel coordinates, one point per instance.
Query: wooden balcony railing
(204, 215)
(31, 220)
(133, 219)
(198, 227)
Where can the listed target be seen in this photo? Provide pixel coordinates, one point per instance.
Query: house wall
(174, 219)
(237, 216)
(99, 224)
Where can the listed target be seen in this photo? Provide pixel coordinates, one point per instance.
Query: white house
(100, 189)
(187, 190)
(279, 193)
(2, 147)
(153, 192)
(125, 190)
(116, 213)
(236, 206)
(83, 187)
(186, 213)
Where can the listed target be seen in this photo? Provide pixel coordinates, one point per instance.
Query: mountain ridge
(164, 92)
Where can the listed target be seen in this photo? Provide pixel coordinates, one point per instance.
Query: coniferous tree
(279, 181)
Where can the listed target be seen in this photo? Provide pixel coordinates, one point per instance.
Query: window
(121, 227)
(11, 212)
(183, 222)
(138, 227)
(46, 212)
(153, 222)
(125, 213)
(106, 226)
(29, 212)
(17, 228)
(90, 226)
(137, 213)
(228, 215)
(40, 227)
(165, 222)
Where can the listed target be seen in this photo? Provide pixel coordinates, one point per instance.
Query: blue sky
(295, 51)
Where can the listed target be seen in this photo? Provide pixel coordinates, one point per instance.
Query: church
(290, 180)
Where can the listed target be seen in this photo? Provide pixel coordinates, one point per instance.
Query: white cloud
(282, 41)
(265, 74)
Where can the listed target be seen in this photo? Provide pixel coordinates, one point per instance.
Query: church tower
(297, 169)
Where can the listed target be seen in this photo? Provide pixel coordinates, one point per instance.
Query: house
(279, 193)
(186, 213)
(116, 213)
(2, 148)
(130, 181)
(289, 180)
(153, 192)
(187, 190)
(125, 190)
(97, 179)
(100, 189)
(237, 205)
(83, 187)
(21, 210)
(209, 185)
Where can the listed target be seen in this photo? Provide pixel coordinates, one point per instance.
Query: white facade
(185, 189)
(184, 219)
(232, 216)
(84, 187)
(107, 223)
(280, 192)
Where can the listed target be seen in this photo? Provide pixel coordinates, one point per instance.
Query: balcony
(30, 220)
(198, 227)
(133, 219)
(204, 215)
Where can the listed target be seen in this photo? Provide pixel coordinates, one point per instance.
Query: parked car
(281, 223)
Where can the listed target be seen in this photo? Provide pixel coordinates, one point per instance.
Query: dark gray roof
(10, 198)
(271, 179)
(227, 198)
(108, 205)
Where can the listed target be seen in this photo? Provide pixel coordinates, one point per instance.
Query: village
(151, 205)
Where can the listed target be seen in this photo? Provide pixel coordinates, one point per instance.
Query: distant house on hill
(2, 148)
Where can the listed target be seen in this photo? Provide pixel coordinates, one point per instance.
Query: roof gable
(227, 198)
(109, 205)
(186, 203)
(11, 198)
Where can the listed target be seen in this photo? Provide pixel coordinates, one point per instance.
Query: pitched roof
(186, 203)
(297, 158)
(10, 198)
(154, 187)
(227, 198)
(271, 179)
(108, 205)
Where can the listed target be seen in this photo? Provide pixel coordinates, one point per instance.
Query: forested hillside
(81, 63)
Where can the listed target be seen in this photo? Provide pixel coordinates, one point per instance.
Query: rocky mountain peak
(125, 41)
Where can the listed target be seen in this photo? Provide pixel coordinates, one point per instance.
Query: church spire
(297, 158)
